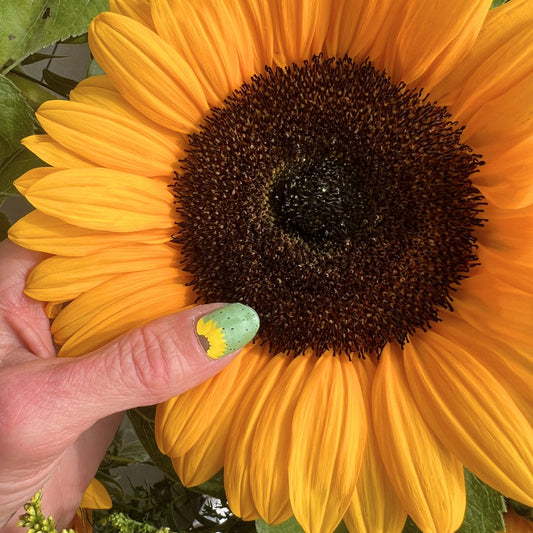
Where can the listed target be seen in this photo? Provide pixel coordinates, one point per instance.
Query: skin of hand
(58, 415)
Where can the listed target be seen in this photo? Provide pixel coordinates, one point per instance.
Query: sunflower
(94, 497)
(514, 523)
(358, 172)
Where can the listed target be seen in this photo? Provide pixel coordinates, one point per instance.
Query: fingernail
(227, 329)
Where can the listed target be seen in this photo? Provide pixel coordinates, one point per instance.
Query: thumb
(143, 367)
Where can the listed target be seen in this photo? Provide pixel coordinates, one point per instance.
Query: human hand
(58, 415)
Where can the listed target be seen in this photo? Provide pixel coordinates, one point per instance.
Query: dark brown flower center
(336, 204)
(322, 201)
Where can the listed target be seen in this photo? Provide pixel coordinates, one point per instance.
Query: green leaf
(94, 69)
(498, 3)
(17, 122)
(410, 526)
(341, 528)
(134, 451)
(4, 225)
(78, 39)
(142, 420)
(213, 487)
(17, 118)
(29, 25)
(31, 89)
(20, 161)
(57, 83)
(484, 509)
(290, 526)
(35, 58)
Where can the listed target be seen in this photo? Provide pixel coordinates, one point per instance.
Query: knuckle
(151, 358)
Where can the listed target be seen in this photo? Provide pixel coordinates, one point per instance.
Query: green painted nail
(227, 329)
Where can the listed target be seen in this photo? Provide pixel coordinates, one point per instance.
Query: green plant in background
(34, 519)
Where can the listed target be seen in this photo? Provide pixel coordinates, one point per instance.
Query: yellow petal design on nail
(215, 337)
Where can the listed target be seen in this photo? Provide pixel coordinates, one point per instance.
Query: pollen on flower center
(336, 204)
(319, 200)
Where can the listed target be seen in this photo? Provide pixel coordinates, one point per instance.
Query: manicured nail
(227, 329)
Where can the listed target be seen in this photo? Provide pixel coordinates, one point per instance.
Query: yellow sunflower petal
(353, 26)
(375, 507)
(181, 421)
(256, 17)
(99, 91)
(196, 466)
(82, 521)
(427, 478)
(345, 16)
(206, 457)
(307, 30)
(52, 309)
(31, 177)
(109, 139)
(101, 82)
(204, 460)
(240, 451)
(270, 445)
(140, 64)
(472, 414)
(138, 10)
(96, 496)
(103, 199)
(507, 270)
(500, 310)
(64, 278)
(501, 246)
(514, 523)
(506, 232)
(51, 152)
(330, 415)
(502, 121)
(118, 305)
(44, 233)
(220, 51)
(500, 56)
(513, 369)
(505, 179)
(413, 54)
